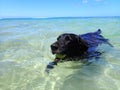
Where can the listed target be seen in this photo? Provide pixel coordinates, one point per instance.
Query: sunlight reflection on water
(25, 52)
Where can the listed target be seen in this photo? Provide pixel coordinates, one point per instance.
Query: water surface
(25, 52)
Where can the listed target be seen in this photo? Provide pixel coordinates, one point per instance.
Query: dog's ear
(82, 43)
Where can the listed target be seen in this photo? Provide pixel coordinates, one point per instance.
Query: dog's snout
(54, 47)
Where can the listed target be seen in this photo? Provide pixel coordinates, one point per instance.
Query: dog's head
(70, 45)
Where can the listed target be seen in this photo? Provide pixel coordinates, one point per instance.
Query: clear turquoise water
(25, 52)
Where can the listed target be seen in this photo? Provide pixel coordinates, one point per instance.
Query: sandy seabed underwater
(25, 52)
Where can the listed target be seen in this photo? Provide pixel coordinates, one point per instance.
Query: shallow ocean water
(25, 52)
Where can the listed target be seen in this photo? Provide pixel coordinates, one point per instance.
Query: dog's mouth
(60, 56)
(59, 53)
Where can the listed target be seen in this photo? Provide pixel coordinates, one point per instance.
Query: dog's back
(94, 39)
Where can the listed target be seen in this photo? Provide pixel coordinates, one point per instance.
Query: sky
(58, 8)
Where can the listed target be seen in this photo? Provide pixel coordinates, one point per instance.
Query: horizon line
(57, 17)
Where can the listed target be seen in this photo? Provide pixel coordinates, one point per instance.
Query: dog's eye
(67, 38)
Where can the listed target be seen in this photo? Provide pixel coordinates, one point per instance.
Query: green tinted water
(25, 52)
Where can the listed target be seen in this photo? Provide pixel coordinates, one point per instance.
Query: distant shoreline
(27, 18)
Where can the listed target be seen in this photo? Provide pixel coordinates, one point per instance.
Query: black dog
(71, 46)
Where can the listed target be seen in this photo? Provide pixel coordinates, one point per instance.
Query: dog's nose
(54, 47)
